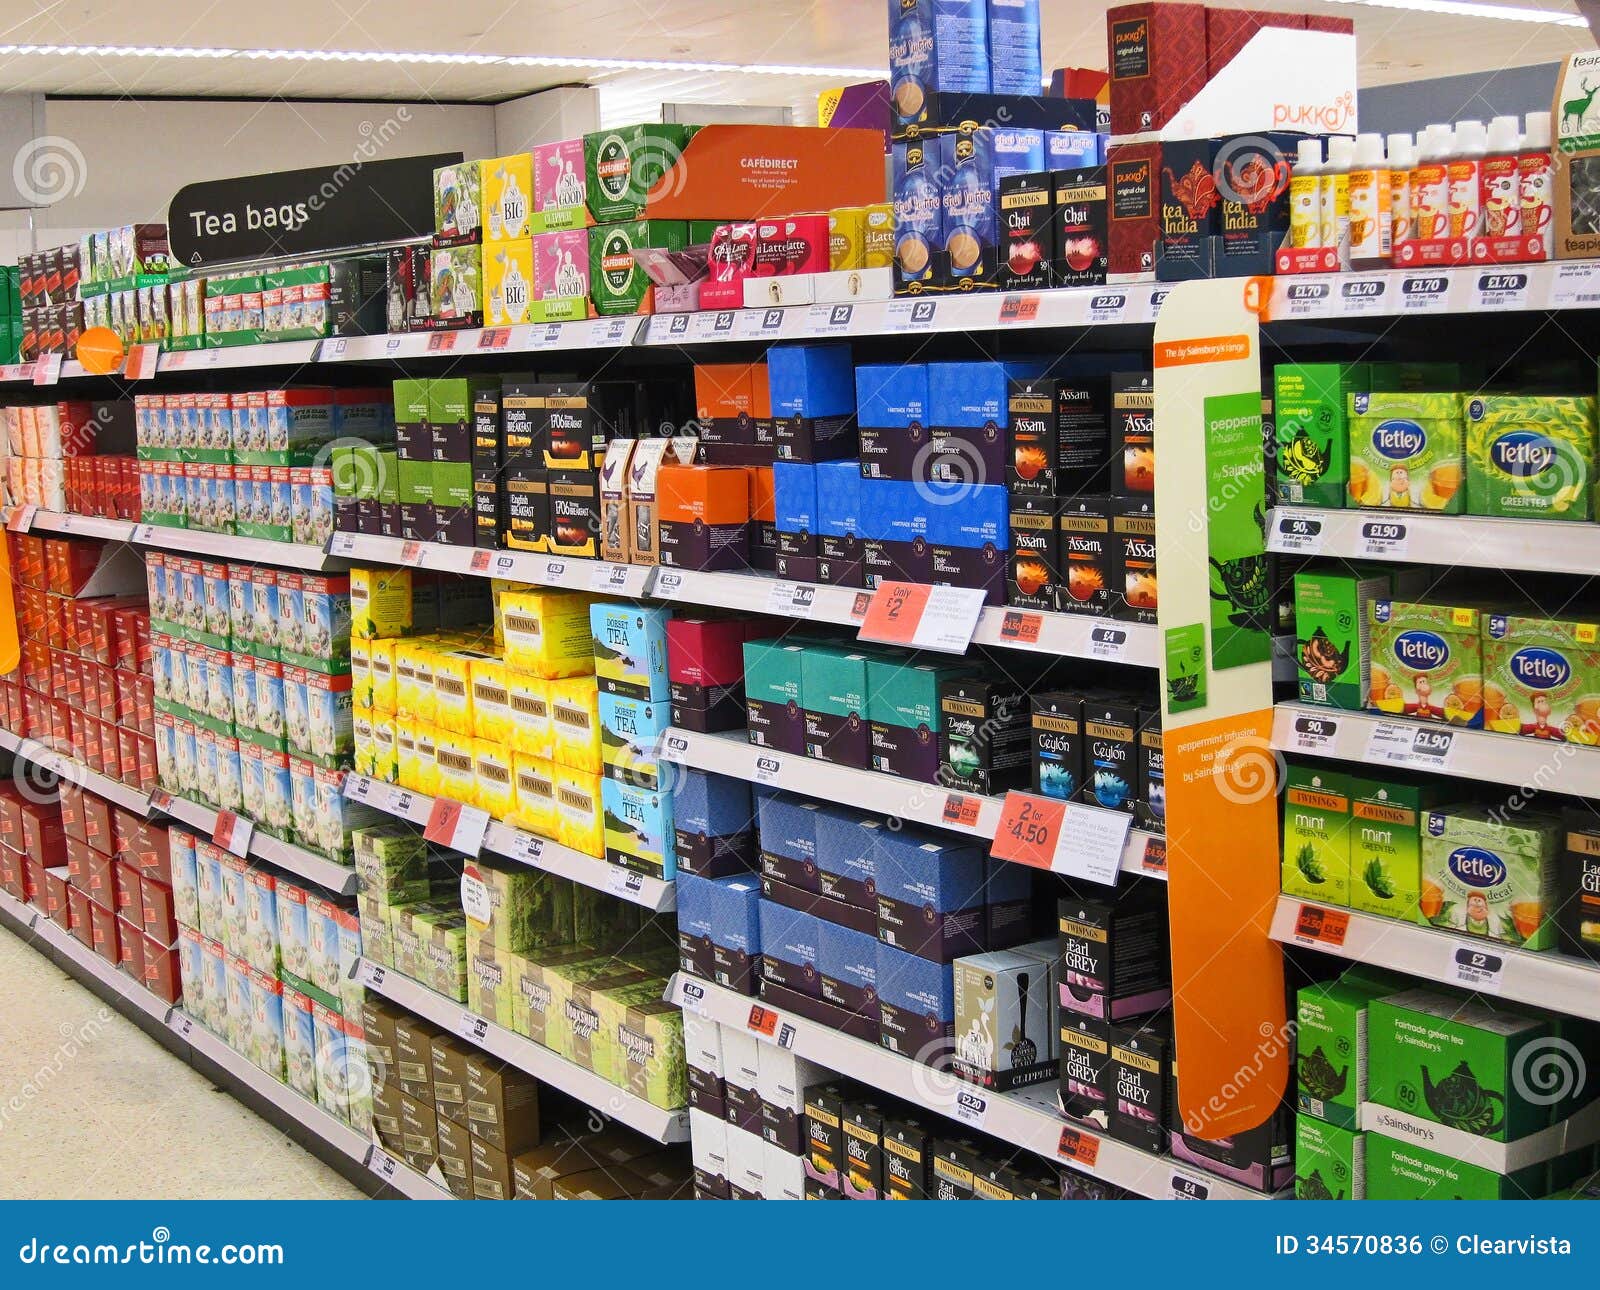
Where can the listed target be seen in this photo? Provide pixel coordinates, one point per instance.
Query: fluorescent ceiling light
(444, 59)
(1470, 9)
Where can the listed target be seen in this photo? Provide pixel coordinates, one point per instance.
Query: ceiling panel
(1395, 45)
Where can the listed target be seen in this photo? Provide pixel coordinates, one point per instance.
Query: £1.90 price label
(1410, 743)
(1382, 539)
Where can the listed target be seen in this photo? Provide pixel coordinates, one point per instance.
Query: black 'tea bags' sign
(304, 212)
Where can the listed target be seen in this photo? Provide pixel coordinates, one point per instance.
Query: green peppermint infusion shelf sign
(1236, 496)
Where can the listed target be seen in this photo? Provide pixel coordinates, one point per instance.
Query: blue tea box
(638, 828)
(1008, 904)
(846, 857)
(811, 380)
(930, 895)
(630, 649)
(975, 394)
(713, 818)
(1015, 63)
(794, 487)
(936, 46)
(894, 519)
(847, 962)
(839, 523)
(916, 1005)
(1016, 151)
(630, 730)
(968, 538)
(1071, 150)
(918, 213)
(892, 408)
(789, 946)
(719, 935)
(968, 186)
(788, 836)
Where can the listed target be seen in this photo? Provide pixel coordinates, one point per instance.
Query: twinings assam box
(1091, 578)
(1058, 438)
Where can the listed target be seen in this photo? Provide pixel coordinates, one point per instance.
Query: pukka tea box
(1316, 835)
(1156, 54)
(1530, 455)
(1407, 451)
(1133, 209)
(1427, 662)
(1541, 678)
(1491, 877)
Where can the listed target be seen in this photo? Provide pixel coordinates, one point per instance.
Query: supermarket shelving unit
(592, 1090)
(186, 1036)
(162, 537)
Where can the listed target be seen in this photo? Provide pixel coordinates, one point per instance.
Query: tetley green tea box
(1455, 1061)
(1316, 835)
(1491, 878)
(1406, 452)
(1532, 456)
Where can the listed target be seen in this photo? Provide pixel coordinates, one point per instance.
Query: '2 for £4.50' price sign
(1044, 833)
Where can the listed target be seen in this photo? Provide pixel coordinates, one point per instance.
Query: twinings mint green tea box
(1310, 404)
(1386, 844)
(1330, 1163)
(1406, 452)
(1457, 1061)
(1531, 455)
(1427, 662)
(1400, 1171)
(1331, 1048)
(1541, 678)
(1491, 877)
(1316, 835)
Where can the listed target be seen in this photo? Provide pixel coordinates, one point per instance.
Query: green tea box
(651, 1061)
(1316, 835)
(1541, 678)
(1457, 1061)
(516, 907)
(1489, 876)
(391, 863)
(1330, 1163)
(621, 166)
(1310, 403)
(1401, 1171)
(492, 974)
(617, 281)
(1427, 662)
(1333, 628)
(1530, 455)
(1331, 1043)
(1386, 844)
(1406, 452)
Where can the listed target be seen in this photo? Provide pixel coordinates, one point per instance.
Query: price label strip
(1109, 643)
(609, 578)
(1078, 1147)
(1501, 291)
(923, 617)
(687, 993)
(1186, 1187)
(961, 811)
(766, 1024)
(1382, 539)
(457, 826)
(1064, 837)
(1314, 925)
(1297, 535)
(371, 974)
(1424, 293)
(233, 833)
(791, 599)
(971, 1107)
(527, 848)
(141, 362)
(473, 1028)
(1313, 733)
(1108, 307)
(624, 883)
(1018, 628)
(1575, 286)
(667, 584)
(1476, 969)
(47, 369)
(383, 1164)
(1408, 743)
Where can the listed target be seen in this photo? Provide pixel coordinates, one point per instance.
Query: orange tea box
(703, 516)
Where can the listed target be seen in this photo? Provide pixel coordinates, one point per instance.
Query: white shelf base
(1027, 1120)
(590, 1089)
(162, 537)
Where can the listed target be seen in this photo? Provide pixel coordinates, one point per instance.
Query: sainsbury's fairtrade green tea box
(1402, 1171)
(1330, 1163)
(1331, 1048)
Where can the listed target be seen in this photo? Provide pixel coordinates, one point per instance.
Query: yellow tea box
(847, 233)
(361, 733)
(1427, 662)
(494, 770)
(408, 773)
(877, 236)
(452, 689)
(547, 633)
(384, 682)
(1541, 678)
(497, 588)
(385, 747)
(491, 701)
(578, 821)
(427, 758)
(506, 193)
(360, 673)
(1407, 452)
(507, 283)
(1491, 877)
(413, 679)
(575, 723)
(529, 698)
(457, 774)
(380, 603)
(535, 785)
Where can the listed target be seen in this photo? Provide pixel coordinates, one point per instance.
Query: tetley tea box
(1406, 452)
(1490, 878)
(1541, 678)
(1427, 662)
(1530, 455)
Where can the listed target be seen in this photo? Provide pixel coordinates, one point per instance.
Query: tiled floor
(91, 1107)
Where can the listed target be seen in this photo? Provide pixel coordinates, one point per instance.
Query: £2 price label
(1476, 969)
(769, 1025)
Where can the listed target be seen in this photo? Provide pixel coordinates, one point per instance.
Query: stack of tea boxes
(266, 963)
(1384, 1067)
(1392, 843)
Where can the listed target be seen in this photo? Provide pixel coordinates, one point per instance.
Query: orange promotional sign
(10, 642)
(745, 172)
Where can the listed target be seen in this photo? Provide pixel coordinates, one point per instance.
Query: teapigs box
(1441, 1058)
(1386, 844)
(1316, 835)
(1427, 662)
(1529, 455)
(1330, 1163)
(1541, 678)
(1490, 877)
(1406, 451)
